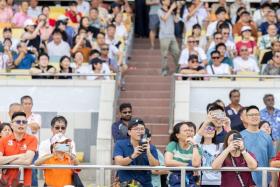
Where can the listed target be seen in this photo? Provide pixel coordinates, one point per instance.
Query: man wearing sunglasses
(18, 149)
(119, 128)
(58, 126)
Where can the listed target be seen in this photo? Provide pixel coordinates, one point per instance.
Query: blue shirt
(119, 131)
(220, 137)
(264, 26)
(26, 62)
(236, 123)
(274, 120)
(124, 148)
(260, 144)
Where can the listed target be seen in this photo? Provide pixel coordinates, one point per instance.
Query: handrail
(172, 104)
(102, 169)
(55, 74)
(226, 76)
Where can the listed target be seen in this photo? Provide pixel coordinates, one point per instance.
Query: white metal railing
(54, 74)
(102, 169)
(227, 76)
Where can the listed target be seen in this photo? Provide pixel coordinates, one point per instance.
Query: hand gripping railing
(102, 169)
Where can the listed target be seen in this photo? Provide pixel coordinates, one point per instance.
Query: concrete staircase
(148, 91)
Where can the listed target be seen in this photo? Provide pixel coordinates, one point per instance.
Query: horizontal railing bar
(226, 76)
(55, 74)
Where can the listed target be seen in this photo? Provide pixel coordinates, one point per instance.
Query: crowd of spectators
(219, 38)
(84, 37)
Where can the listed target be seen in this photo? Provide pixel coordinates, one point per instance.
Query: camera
(237, 137)
(62, 147)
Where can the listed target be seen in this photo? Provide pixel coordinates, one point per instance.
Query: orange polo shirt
(58, 177)
(10, 146)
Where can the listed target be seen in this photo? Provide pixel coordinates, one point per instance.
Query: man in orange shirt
(18, 149)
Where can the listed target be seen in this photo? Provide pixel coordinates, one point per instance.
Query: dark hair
(61, 59)
(220, 10)
(251, 108)
(176, 130)
(214, 106)
(16, 114)
(45, 6)
(266, 5)
(73, 3)
(81, 23)
(260, 125)
(58, 119)
(43, 54)
(220, 44)
(25, 97)
(233, 91)
(125, 105)
(196, 26)
(94, 51)
(7, 29)
(213, 139)
(57, 30)
(216, 33)
(8, 39)
(111, 25)
(148, 133)
(227, 136)
(96, 9)
(102, 33)
(242, 109)
(3, 125)
(224, 25)
(266, 96)
(215, 52)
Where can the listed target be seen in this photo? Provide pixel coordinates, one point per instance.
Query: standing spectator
(153, 20)
(271, 36)
(34, 11)
(263, 150)
(83, 6)
(235, 6)
(246, 40)
(23, 60)
(141, 18)
(275, 47)
(235, 155)
(46, 29)
(212, 27)
(270, 19)
(18, 149)
(129, 152)
(43, 67)
(73, 13)
(272, 115)
(58, 128)
(233, 110)
(182, 150)
(58, 48)
(273, 68)
(6, 13)
(166, 35)
(217, 68)
(119, 128)
(20, 17)
(64, 67)
(68, 29)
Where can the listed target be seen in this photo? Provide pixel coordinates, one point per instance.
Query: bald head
(14, 107)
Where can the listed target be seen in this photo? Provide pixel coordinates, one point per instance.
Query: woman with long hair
(235, 155)
(5, 130)
(64, 66)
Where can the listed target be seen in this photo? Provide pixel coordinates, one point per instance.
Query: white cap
(246, 28)
(62, 18)
(28, 22)
(58, 138)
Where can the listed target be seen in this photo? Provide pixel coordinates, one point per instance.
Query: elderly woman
(266, 40)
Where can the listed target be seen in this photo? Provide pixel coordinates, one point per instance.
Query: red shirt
(249, 44)
(10, 146)
(73, 16)
(277, 158)
(52, 22)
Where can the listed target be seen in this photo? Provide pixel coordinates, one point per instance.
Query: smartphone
(237, 137)
(62, 147)
(218, 114)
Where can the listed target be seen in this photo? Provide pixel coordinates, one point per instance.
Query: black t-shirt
(236, 123)
(196, 69)
(267, 57)
(43, 76)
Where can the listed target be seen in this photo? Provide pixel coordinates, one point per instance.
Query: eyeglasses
(19, 122)
(58, 127)
(215, 57)
(191, 41)
(138, 129)
(127, 112)
(210, 128)
(225, 33)
(244, 50)
(253, 115)
(105, 49)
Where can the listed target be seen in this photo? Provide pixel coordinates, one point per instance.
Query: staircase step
(148, 94)
(138, 52)
(154, 65)
(158, 128)
(148, 78)
(140, 58)
(155, 118)
(148, 86)
(146, 102)
(160, 139)
(142, 111)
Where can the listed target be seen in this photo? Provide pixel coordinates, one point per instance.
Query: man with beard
(119, 128)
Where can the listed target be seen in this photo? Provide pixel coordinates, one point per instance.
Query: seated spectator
(61, 26)
(34, 11)
(20, 17)
(261, 13)
(217, 39)
(80, 46)
(6, 13)
(273, 68)
(46, 12)
(196, 33)
(245, 63)
(246, 40)
(100, 40)
(102, 12)
(271, 19)
(7, 34)
(196, 13)
(5, 130)
(222, 49)
(60, 155)
(110, 37)
(217, 68)
(43, 67)
(266, 40)
(18, 148)
(66, 28)
(57, 47)
(95, 53)
(83, 6)
(228, 40)
(73, 13)
(182, 145)
(193, 68)
(119, 128)
(6, 58)
(235, 6)
(91, 31)
(121, 31)
(99, 67)
(245, 20)
(267, 57)
(192, 49)
(215, 6)
(130, 152)
(235, 155)
(94, 19)
(79, 66)
(64, 66)
(31, 36)
(46, 29)
(23, 60)
(266, 127)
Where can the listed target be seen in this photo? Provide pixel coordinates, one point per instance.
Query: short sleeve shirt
(26, 62)
(10, 146)
(166, 28)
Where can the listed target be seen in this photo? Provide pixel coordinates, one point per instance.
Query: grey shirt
(166, 28)
(271, 70)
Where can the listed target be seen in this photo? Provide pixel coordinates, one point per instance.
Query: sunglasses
(244, 50)
(19, 122)
(127, 112)
(58, 127)
(225, 33)
(210, 128)
(215, 57)
(218, 38)
(191, 41)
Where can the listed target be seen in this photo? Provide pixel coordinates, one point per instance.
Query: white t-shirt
(34, 118)
(250, 64)
(183, 60)
(198, 17)
(121, 31)
(105, 70)
(211, 29)
(84, 7)
(58, 50)
(222, 69)
(45, 147)
(4, 59)
(34, 13)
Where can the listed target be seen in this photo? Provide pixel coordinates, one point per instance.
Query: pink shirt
(19, 19)
(249, 44)
(6, 15)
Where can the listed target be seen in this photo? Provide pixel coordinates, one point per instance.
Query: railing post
(264, 177)
(183, 178)
(102, 177)
(21, 175)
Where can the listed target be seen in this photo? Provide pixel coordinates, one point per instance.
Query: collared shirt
(220, 137)
(26, 62)
(10, 146)
(119, 130)
(34, 118)
(124, 148)
(266, 40)
(263, 27)
(274, 120)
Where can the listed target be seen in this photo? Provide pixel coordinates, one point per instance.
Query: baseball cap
(246, 28)
(62, 18)
(28, 22)
(193, 57)
(59, 138)
(134, 122)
